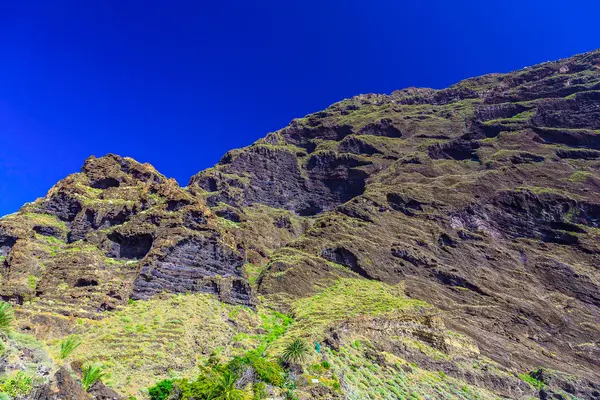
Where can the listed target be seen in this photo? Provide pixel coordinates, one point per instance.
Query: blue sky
(179, 83)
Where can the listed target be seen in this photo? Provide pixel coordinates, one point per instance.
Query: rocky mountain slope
(434, 243)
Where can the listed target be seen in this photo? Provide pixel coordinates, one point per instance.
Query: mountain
(430, 244)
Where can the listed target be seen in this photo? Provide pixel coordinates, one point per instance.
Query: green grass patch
(534, 382)
(346, 299)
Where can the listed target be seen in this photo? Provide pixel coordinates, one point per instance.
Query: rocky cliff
(481, 200)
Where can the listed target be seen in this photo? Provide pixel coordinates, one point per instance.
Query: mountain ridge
(480, 200)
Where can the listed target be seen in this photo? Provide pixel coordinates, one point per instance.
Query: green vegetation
(268, 371)
(259, 391)
(18, 385)
(182, 332)
(580, 176)
(161, 390)
(227, 223)
(91, 374)
(216, 379)
(225, 389)
(395, 378)
(217, 382)
(524, 115)
(346, 299)
(253, 272)
(533, 381)
(31, 280)
(295, 352)
(7, 317)
(68, 346)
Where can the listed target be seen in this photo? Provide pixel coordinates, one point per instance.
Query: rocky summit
(427, 244)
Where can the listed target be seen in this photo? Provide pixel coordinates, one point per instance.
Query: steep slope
(479, 202)
(482, 197)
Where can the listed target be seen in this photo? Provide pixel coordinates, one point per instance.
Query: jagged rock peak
(112, 170)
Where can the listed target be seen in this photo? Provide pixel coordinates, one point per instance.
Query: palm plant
(68, 346)
(224, 388)
(6, 317)
(295, 352)
(90, 375)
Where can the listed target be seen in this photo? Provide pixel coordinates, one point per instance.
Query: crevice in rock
(578, 154)
(176, 205)
(228, 214)
(345, 257)
(81, 225)
(105, 183)
(309, 210)
(446, 241)
(566, 226)
(570, 137)
(450, 279)
(384, 127)
(195, 220)
(6, 244)
(209, 184)
(354, 145)
(85, 282)
(456, 150)
(405, 205)
(133, 247)
(48, 231)
(525, 158)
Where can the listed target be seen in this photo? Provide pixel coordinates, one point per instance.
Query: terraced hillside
(424, 244)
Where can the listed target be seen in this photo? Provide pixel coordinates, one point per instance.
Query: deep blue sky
(178, 83)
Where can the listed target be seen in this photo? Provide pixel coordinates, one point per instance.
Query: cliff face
(482, 199)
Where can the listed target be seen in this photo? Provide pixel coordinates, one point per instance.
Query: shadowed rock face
(193, 265)
(274, 177)
(483, 198)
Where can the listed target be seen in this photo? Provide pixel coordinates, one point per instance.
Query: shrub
(161, 390)
(225, 389)
(267, 371)
(7, 317)
(210, 386)
(295, 352)
(18, 385)
(198, 389)
(238, 364)
(68, 346)
(90, 375)
(259, 390)
(533, 381)
(32, 282)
